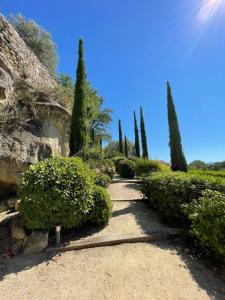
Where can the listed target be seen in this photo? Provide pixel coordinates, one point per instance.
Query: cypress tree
(79, 122)
(178, 161)
(120, 138)
(143, 136)
(125, 146)
(137, 143)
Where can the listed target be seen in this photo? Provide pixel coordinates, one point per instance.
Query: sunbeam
(209, 8)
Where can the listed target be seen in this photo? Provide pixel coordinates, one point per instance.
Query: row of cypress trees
(79, 124)
(178, 161)
(137, 142)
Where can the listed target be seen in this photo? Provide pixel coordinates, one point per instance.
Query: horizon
(129, 60)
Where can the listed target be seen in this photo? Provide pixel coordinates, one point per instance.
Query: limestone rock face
(32, 126)
(17, 231)
(36, 242)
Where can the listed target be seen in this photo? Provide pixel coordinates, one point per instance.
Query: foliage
(143, 136)
(209, 173)
(102, 180)
(102, 210)
(66, 90)
(79, 121)
(99, 119)
(144, 167)
(56, 191)
(120, 138)
(37, 39)
(117, 160)
(208, 221)
(197, 165)
(125, 147)
(94, 153)
(111, 150)
(168, 191)
(127, 168)
(178, 161)
(102, 166)
(136, 133)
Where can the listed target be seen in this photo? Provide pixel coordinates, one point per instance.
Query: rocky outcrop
(32, 126)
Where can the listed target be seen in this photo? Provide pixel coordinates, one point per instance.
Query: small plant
(56, 191)
(102, 210)
(127, 168)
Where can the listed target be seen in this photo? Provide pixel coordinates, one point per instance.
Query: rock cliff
(32, 126)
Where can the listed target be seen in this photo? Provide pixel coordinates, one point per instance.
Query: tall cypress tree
(125, 146)
(79, 122)
(178, 161)
(143, 136)
(136, 133)
(120, 138)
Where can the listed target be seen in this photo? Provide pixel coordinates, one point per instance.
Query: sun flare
(209, 8)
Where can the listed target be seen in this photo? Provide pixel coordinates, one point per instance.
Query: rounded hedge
(102, 180)
(102, 210)
(116, 160)
(127, 168)
(56, 191)
(207, 215)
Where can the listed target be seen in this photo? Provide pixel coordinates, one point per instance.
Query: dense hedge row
(61, 191)
(180, 199)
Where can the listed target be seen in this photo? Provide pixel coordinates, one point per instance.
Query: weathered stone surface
(12, 202)
(18, 231)
(43, 129)
(18, 61)
(3, 206)
(17, 206)
(17, 247)
(36, 243)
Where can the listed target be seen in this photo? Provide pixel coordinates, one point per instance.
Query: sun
(209, 8)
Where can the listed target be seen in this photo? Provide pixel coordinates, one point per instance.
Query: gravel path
(125, 272)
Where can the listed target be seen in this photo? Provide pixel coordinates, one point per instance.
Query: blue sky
(132, 48)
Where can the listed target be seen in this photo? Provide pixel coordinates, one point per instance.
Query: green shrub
(167, 191)
(117, 160)
(208, 173)
(102, 180)
(103, 166)
(102, 210)
(56, 191)
(145, 167)
(208, 221)
(127, 168)
(94, 153)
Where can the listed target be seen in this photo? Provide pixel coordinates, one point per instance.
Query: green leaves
(58, 190)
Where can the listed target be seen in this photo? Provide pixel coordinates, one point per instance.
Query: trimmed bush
(208, 221)
(102, 211)
(167, 191)
(117, 160)
(102, 180)
(144, 167)
(127, 168)
(56, 191)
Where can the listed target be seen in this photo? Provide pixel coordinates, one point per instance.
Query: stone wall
(17, 61)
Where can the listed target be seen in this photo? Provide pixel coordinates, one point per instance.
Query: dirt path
(130, 271)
